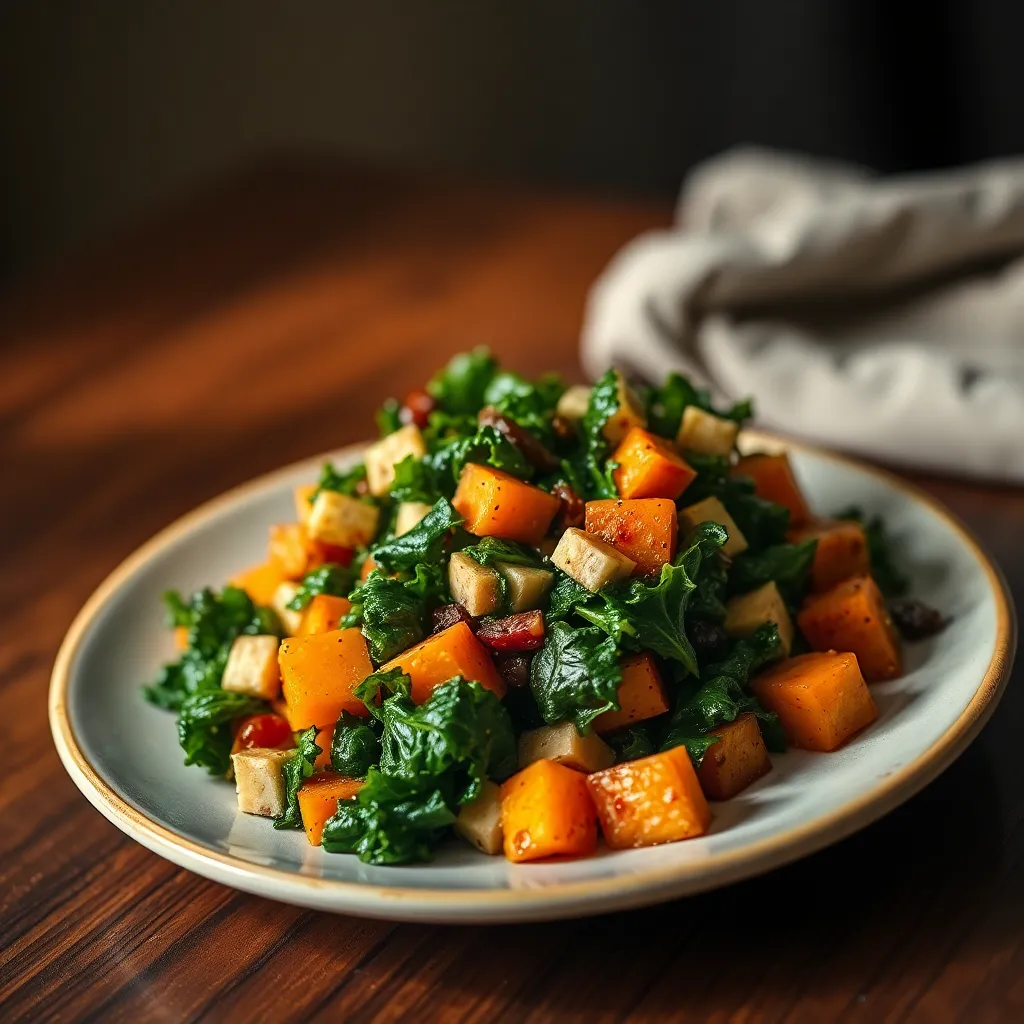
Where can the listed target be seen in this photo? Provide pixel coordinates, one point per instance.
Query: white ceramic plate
(122, 753)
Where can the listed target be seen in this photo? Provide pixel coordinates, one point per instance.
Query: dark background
(111, 107)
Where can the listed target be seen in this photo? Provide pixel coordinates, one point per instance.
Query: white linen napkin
(883, 316)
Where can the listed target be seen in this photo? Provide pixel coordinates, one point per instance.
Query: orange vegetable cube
(652, 800)
(181, 637)
(260, 582)
(641, 695)
(852, 616)
(496, 504)
(821, 699)
(319, 673)
(774, 481)
(546, 811)
(368, 566)
(323, 614)
(289, 549)
(643, 529)
(303, 505)
(736, 760)
(842, 551)
(454, 651)
(650, 467)
(318, 800)
(324, 739)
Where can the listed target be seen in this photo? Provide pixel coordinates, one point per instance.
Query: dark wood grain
(261, 323)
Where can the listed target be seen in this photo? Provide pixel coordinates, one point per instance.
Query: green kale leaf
(388, 417)
(460, 387)
(490, 550)
(204, 726)
(297, 769)
(665, 405)
(335, 580)
(344, 481)
(631, 743)
(380, 685)
(591, 472)
(423, 543)
(355, 748)
(786, 564)
(530, 405)
(891, 580)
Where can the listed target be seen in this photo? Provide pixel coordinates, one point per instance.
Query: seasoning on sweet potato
(641, 695)
(650, 467)
(260, 582)
(319, 673)
(323, 614)
(546, 811)
(318, 800)
(774, 481)
(842, 551)
(453, 652)
(644, 529)
(289, 549)
(852, 616)
(736, 760)
(496, 504)
(821, 699)
(652, 800)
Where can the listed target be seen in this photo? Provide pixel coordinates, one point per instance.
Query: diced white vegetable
(525, 584)
(381, 457)
(476, 587)
(342, 520)
(712, 510)
(408, 515)
(629, 414)
(479, 822)
(573, 403)
(590, 561)
(743, 614)
(291, 620)
(252, 667)
(259, 780)
(563, 743)
(702, 431)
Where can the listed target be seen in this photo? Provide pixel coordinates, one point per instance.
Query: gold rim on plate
(628, 890)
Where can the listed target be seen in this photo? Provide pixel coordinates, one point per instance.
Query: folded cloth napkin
(884, 316)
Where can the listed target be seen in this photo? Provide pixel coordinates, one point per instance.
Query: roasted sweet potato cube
(842, 551)
(852, 616)
(324, 739)
(318, 800)
(821, 699)
(289, 548)
(736, 760)
(774, 481)
(641, 695)
(650, 467)
(323, 614)
(496, 504)
(546, 811)
(260, 582)
(652, 800)
(643, 529)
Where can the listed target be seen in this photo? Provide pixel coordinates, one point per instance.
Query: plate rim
(562, 900)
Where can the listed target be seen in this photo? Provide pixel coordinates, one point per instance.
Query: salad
(534, 615)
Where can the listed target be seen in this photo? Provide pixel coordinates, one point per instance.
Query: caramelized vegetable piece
(447, 615)
(532, 450)
(453, 652)
(644, 529)
(736, 760)
(513, 668)
(270, 731)
(324, 614)
(546, 811)
(702, 431)
(572, 508)
(774, 481)
(521, 632)
(327, 554)
(496, 504)
(842, 551)
(318, 800)
(260, 582)
(641, 695)
(563, 744)
(650, 467)
(319, 673)
(417, 407)
(852, 617)
(915, 620)
(821, 699)
(653, 800)
(590, 561)
(289, 549)
(713, 511)
(744, 613)
(479, 821)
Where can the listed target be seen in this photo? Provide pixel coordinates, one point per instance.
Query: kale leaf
(630, 743)
(665, 405)
(355, 748)
(891, 580)
(489, 550)
(786, 564)
(297, 769)
(204, 726)
(344, 481)
(423, 543)
(591, 473)
(380, 685)
(461, 385)
(388, 417)
(529, 405)
(335, 580)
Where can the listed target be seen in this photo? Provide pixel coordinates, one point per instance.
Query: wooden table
(264, 322)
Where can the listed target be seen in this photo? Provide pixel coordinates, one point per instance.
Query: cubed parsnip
(712, 510)
(744, 613)
(630, 413)
(476, 587)
(259, 780)
(290, 620)
(563, 744)
(702, 431)
(736, 760)
(252, 667)
(289, 548)
(590, 561)
(340, 519)
(479, 821)
(381, 457)
(573, 403)
(408, 515)
(525, 585)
